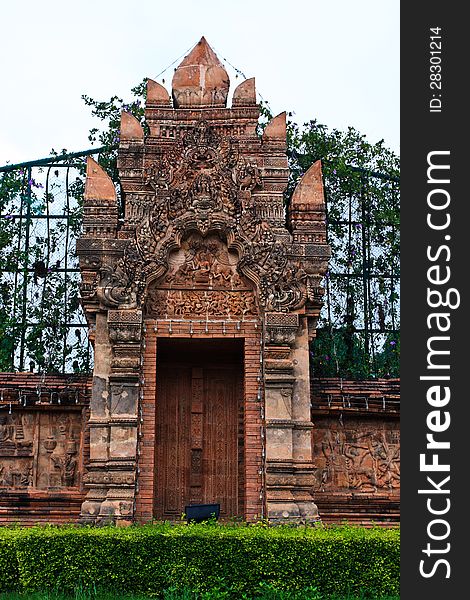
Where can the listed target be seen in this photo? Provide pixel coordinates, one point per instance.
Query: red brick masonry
(355, 440)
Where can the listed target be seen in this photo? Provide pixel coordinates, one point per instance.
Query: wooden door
(199, 437)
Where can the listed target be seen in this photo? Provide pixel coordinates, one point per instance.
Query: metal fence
(359, 330)
(42, 326)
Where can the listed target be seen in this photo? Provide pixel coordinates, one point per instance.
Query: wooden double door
(199, 428)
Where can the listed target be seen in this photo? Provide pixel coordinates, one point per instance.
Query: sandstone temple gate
(201, 303)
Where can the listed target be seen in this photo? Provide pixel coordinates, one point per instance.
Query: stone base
(89, 512)
(293, 512)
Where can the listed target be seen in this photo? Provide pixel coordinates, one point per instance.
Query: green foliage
(37, 296)
(9, 572)
(110, 113)
(358, 328)
(342, 351)
(172, 594)
(213, 561)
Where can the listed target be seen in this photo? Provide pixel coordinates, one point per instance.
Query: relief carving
(200, 304)
(66, 464)
(57, 462)
(53, 464)
(203, 262)
(16, 474)
(14, 436)
(356, 460)
(202, 182)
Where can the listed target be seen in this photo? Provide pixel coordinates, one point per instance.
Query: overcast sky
(336, 61)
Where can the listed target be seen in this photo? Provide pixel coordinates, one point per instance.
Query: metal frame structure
(41, 219)
(39, 273)
(362, 291)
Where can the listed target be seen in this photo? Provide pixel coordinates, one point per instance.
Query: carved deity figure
(67, 465)
(7, 432)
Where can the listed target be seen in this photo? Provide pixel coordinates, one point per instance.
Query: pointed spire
(276, 129)
(131, 129)
(201, 79)
(157, 94)
(245, 93)
(309, 190)
(98, 184)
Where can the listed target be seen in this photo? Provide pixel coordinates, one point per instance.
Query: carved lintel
(110, 478)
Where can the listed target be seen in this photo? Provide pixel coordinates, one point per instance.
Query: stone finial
(131, 129)
(309, 190)
(98, 184)
(200, 80)
(245, 93)
(157, 94)
(276, 129)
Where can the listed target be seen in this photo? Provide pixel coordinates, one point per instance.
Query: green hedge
(238, 560)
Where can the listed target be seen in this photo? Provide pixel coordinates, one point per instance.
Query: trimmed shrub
(235, 560)
(9, 573)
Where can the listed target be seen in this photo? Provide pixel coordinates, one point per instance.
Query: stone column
(116, 332)
(96, 477)
(125, 334)
(287, 400)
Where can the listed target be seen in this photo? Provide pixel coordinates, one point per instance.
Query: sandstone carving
(361, 460)
(203, 240)
(53, 464)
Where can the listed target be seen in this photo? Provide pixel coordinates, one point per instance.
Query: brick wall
(355, 436)
(356, 449)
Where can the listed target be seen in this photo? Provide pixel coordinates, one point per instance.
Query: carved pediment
(203, 263)
(199, 176)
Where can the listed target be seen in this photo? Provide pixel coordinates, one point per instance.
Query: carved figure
(66, 463)
(7, 432)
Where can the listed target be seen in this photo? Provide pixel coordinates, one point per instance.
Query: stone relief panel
(203, 262)
(202, 281)
(16, 451)
(200, 304)
(40, 450)
(358, 456)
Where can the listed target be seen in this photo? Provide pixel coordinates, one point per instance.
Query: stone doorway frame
(209, 381)
(254, 500)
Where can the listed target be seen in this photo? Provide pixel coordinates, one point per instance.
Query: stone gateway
(201, 304)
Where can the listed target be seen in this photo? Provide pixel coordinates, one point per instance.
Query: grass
(91, 594)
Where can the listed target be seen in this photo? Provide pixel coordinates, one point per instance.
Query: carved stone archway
(203, 252)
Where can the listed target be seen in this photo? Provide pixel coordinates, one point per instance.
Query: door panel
(172, 439)
(220, 460)
(199, 449)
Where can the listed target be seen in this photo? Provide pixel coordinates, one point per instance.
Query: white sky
(336, 61)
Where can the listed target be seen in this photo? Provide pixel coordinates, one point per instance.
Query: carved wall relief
(16, 451)
(357, 457)
(200, 304)
(40, 450)
(202, 282)
(203, 262)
